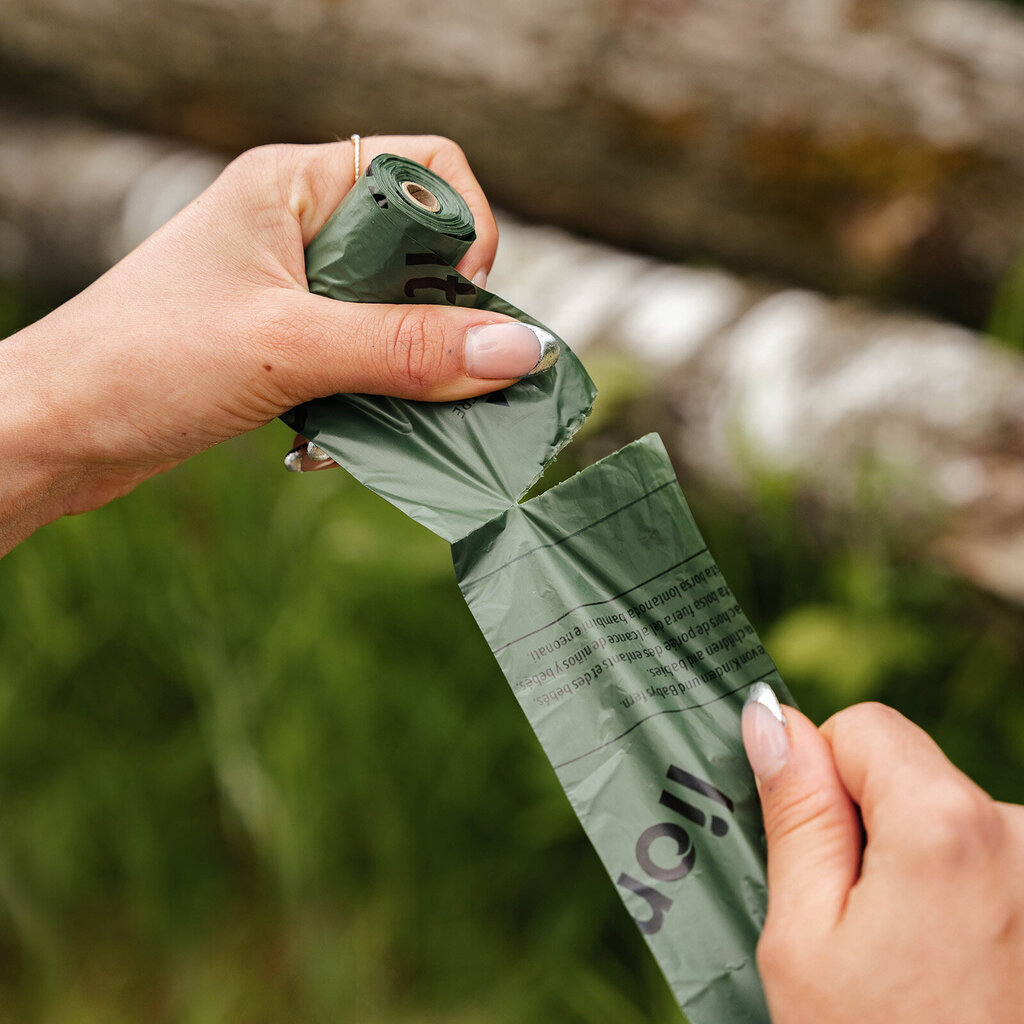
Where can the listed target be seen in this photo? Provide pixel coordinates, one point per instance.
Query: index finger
(912, 799)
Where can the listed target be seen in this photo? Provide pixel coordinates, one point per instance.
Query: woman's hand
(916, 919)
(208, 330)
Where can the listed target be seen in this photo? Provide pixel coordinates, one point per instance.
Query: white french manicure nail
(764, 732)
(508, 350)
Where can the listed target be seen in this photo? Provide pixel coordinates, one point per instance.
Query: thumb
(812, 826)
(431, 353)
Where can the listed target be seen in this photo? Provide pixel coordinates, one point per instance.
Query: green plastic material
(631, 659)
(451, 466)
(599, 598)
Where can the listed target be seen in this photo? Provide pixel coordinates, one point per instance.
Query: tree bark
(872, 146)
(910, 420)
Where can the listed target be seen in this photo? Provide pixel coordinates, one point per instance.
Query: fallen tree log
(744, 382)
(872, 146)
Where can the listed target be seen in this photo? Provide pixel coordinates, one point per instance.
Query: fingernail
(480, 278)
(293, 460)
(503, 351)
(764, 732)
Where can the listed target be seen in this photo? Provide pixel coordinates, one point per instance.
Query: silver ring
(355, 140)
(316, 453)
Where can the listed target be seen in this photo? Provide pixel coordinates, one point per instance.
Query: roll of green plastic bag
(452, 466)
(604, 608)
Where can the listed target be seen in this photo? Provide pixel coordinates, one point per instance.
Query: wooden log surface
(872, 146)
(744, 381)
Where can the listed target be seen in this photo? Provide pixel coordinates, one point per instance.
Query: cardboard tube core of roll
(421, 196)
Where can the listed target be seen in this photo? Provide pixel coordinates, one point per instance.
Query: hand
(919, 919)
(208, 330)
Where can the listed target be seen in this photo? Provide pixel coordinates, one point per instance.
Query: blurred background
(786, 234)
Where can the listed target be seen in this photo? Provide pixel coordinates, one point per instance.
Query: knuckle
(413, 356)
(957, 825)
(454, 150)
(856, 719)
(263, 168)
(243, 165)
(442, 144)
(255, 162)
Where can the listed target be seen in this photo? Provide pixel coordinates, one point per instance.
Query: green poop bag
(602, 604)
